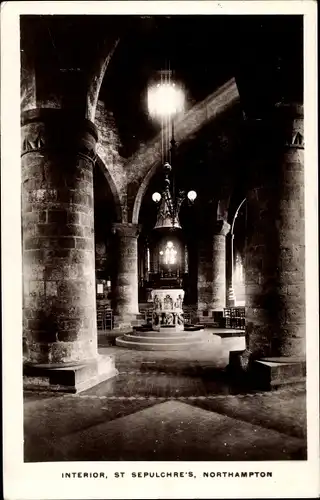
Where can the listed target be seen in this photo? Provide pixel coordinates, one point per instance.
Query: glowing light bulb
(165, 100)
(192, 195)
(156, 197)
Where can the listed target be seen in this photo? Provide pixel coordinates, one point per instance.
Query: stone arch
(97, 76)
(235, 212)
(236, 250)
(141, 192)
(222, 209)
(113, 188)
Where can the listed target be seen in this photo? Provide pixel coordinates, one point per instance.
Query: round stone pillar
(126, 284)
(59, 303)
(204, 281)
(146, 262)
(221, 230)
(275, 253)
(58, 237)
(155, 267)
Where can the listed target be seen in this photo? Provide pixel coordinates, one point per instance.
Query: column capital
(285, 125)
(281, 127)
(291, 110)
(126, 229)
(289, 119)
(57, 130)
(221, 227)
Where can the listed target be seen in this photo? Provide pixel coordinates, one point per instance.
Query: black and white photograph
(164, 211)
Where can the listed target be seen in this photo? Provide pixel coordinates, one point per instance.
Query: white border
(42, 481)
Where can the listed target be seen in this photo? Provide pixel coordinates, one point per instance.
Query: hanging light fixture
(166, 99)
(168, 210)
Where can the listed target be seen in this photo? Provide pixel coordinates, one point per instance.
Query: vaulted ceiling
(263, 53)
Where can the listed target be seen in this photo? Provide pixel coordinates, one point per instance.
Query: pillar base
(271, 373)
(231, 300)
(267, 373)
(127, 321)
(72, 379)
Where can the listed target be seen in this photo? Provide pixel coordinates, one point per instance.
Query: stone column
(275, 265)
(221, 230)
(126, 283)
(212, 271)
(186, 260)
(58, 154)
(146, 261)
(204, 282)
(154, 257)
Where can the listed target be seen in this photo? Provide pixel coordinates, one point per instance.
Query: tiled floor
(181, 402)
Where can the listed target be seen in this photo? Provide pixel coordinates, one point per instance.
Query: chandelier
(165, 100)
(169, 205)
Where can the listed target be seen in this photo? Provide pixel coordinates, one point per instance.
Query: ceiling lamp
(166, 99)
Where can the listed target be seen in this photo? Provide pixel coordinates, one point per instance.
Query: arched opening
(237, 252)
(107, 211)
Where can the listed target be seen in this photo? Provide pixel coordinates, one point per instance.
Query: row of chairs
(234, 318)
(234, 312)
(104, 318)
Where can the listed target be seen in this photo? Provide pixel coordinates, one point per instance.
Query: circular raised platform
(168, 339)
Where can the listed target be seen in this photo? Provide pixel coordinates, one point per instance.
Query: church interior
(163, 237)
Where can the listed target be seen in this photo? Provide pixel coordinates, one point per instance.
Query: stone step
(144, 346)
(162, 340)
(193, 328)
(144, 327)
(152, 333)
(209, 323)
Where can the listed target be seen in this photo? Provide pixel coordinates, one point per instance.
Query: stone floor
(177, 405)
